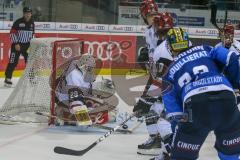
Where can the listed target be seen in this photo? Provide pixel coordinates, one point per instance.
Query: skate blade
(149, 152)
(8, 85)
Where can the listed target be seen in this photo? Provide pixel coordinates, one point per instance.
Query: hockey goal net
(34, 91)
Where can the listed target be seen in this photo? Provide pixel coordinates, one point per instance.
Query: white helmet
(86, 64)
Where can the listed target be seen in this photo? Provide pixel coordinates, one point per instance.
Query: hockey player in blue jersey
(203, 96)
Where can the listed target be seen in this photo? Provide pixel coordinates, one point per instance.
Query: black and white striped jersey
(22, 31)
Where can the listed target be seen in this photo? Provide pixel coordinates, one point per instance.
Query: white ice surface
(36, 142)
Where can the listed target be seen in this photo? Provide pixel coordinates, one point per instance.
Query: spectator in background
(21, 33)
(37, 15)
(238, 27)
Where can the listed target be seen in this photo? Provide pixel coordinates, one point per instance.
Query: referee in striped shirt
(21, 33)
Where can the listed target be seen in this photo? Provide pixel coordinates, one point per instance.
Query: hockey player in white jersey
(148, 10)
(228, 41)
(74, 93)
(227, 38)
(162, 58)
(151, 101)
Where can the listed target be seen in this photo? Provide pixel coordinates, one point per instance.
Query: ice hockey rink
(31, 141)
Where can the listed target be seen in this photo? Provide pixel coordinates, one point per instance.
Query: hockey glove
(142, 107)
(174, 120)
(152, 117)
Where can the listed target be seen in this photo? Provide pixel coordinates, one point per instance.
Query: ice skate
(8, 83)
(151, 147)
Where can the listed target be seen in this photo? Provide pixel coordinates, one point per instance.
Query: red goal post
(64, 51)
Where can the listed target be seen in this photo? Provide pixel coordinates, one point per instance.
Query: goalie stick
(66, 151)
(125, 131)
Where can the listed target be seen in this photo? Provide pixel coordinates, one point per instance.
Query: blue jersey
(196, 71)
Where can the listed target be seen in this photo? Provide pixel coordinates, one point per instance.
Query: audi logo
(100, 28)
(213, 32)
(46, 25)
(128, 28)
(73, 26)
(107, 51)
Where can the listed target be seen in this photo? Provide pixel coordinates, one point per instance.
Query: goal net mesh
(32, 93)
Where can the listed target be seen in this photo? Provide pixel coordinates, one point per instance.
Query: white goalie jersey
(71, 78)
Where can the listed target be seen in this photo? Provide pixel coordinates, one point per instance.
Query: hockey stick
(136, 126)
(125, 131)
(66, 151)
(214, 15)
(225, 18)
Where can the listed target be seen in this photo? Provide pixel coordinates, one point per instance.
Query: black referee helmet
(27, 9)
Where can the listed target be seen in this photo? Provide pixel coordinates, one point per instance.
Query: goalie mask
(87, 64)
(227, 35)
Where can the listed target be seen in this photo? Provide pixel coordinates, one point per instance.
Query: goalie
(74, 100)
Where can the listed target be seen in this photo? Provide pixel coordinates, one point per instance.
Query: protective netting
(47, 58)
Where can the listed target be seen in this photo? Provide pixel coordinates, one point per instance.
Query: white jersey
(72, 78)
(163, 55)
(162, 51)
(234, 47)
(151, 40)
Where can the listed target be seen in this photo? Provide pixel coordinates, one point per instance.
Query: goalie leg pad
(187, 142)
(81, 114)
